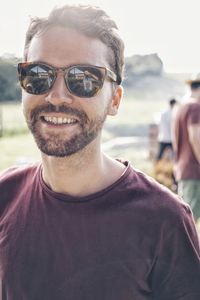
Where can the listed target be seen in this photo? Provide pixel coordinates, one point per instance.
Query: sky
(169, 28)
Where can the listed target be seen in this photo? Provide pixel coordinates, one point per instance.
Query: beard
(55, 144)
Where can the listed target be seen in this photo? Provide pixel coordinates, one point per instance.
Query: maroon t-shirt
(134, 240)
(187, 166)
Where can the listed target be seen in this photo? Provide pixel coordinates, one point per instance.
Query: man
(165, 139)
(81, 225)
(187, 146)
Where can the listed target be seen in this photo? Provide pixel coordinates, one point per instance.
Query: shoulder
(15, 182)
(187, 113)
(154, 209)
(156, 200)
(189, 106)
(16, 174)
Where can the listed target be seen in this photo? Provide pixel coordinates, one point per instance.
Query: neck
(196, 96)
(82, 173)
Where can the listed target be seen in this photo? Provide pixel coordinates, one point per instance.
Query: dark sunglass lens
(36, 79)
(84, 81)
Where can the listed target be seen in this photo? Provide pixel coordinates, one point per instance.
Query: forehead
(61, 46)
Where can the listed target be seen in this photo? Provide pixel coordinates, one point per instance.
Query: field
(17, 145)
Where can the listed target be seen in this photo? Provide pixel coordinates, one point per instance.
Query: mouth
(54, 120)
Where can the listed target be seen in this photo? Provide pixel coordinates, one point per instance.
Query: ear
(115, 102)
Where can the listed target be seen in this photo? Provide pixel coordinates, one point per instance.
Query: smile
(59, 120)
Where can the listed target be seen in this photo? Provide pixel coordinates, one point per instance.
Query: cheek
(29, 102)
(104, 98)
(26, 107)
(96, 106)
(25, 102)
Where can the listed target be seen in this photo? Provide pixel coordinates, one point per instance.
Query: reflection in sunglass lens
(81, 80)
(37, 79)
(84, 81)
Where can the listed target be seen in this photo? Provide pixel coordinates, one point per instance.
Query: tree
(9, 86)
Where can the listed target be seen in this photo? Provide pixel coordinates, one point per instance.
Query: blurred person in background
(164, 130)
(163, 166)
(186, 143)
(81, 225)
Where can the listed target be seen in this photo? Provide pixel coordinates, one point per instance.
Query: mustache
(37, 111)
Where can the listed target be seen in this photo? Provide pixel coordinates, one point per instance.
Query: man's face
(63, 124)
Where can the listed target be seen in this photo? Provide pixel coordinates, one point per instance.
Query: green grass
(17, 149)
(13, 120)
(138, 111)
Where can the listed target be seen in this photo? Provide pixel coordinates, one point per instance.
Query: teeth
(59, 120)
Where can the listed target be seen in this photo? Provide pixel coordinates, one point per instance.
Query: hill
(145, 78)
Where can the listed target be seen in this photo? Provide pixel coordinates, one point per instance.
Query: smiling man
(81, 225)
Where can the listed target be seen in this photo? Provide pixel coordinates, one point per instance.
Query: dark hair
(172, 102)
(195, 85)
(89, 20)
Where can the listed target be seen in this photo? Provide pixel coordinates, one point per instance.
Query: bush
(9, 85)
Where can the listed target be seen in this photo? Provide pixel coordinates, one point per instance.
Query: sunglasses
(83, 81)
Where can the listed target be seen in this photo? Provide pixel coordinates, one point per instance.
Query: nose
(59, 92)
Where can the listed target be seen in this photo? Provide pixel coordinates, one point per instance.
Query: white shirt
(165, 126)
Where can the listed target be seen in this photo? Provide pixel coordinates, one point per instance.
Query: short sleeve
(176, 272)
